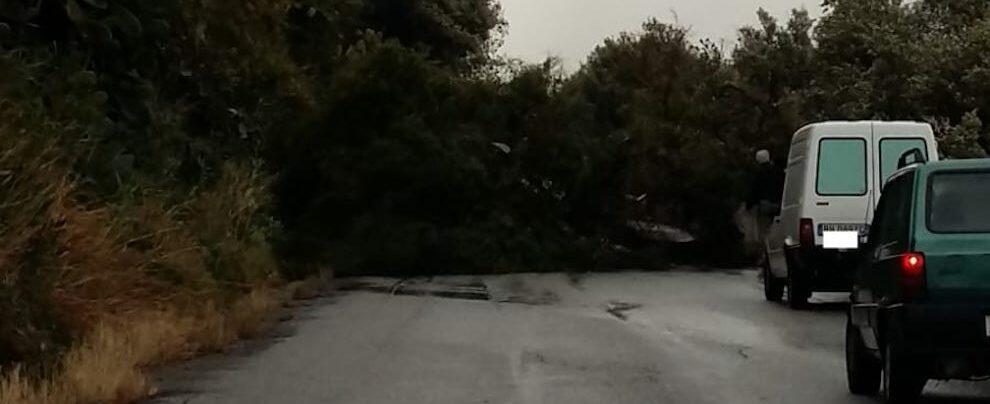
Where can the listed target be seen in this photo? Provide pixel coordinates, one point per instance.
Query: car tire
(797, 291)
(902, 379)
(863, 370)
(773, 288)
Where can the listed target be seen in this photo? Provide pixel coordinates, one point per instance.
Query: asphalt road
(674, 337)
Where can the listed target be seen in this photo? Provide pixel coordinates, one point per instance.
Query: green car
(921, 295)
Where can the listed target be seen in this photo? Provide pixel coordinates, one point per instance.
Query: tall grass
(94, 290)
(134, 223)
(110, 363)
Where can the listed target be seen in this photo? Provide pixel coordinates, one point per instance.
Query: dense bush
(413, 164)
(403, 170)
(130, 136)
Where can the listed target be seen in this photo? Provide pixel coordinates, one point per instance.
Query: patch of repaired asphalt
(520, 292)
(619, 309)
(414, 287)
(352, 285)
(575, 364)
(542, 299)
(516, 293)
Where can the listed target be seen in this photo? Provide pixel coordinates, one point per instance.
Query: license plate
(841, 240)
(862, 229)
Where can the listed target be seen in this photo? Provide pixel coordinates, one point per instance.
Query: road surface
(673, 337)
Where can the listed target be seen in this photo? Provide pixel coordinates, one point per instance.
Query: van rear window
(891, 151)
(958, 202)
(842, 167)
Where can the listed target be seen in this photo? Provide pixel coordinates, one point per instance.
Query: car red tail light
(912, 274)
(913, 265)
(807, 233)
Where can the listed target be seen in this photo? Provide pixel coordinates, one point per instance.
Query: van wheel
(773, 288)
(797, 291)
(902, 379)
(862, 369)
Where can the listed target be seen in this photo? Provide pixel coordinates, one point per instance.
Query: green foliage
(962, 141)
(656, 91)
(774, 67)
(885, 59)
(866, 59)
(413, 165)
(401, 170)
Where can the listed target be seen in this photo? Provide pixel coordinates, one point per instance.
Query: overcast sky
(571, 29)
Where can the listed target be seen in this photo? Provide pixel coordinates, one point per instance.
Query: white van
(835, 173)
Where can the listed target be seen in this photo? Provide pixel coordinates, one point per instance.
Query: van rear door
(891, 140)
(841, 190)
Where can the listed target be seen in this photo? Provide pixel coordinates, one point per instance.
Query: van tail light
(912, 268)
(807, 234)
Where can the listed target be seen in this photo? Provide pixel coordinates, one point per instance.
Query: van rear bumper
(824, 270)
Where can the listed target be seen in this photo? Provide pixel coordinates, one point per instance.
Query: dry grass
(248, 317)
(98, 283)
(309, 288)
(124, 285)
(110, 364)
(105, 367)
(133, 285)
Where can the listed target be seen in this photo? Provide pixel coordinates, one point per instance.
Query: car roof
(968, 164)
(942, 165)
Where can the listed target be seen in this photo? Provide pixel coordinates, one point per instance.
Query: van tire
(773, 288)
(863, 370)
(797, 290)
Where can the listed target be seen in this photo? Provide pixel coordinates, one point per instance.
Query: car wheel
(773, 288)
(902, 380)
(862, 369)
(797, 291)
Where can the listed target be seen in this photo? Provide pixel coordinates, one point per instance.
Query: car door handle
(822, 204)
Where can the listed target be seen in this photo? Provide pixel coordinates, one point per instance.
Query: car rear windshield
(842, 167)
(959, 202)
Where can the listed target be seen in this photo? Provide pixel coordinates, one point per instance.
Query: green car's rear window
(959, 202)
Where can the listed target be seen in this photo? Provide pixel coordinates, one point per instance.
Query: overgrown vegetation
(170, 159)
(415, 165)
(135, 205)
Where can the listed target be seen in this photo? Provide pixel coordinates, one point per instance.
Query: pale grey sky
(570, 29)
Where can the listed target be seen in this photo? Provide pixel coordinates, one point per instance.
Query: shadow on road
(827, 307)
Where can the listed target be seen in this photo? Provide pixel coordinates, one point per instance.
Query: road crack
(619, 309)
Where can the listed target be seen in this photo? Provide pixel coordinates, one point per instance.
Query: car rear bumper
(942, 325)
(950, 339)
